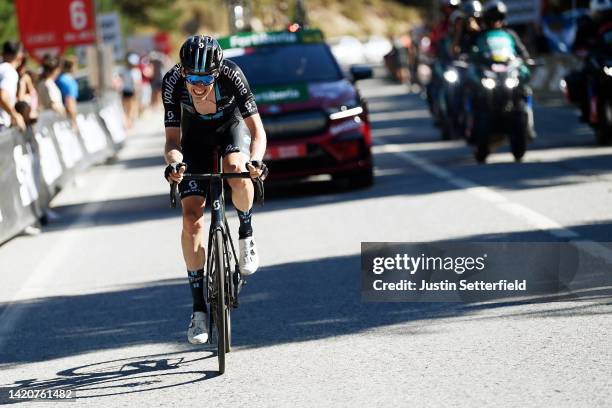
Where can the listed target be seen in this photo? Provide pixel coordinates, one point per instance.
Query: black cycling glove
(258, 164)
(172, 167)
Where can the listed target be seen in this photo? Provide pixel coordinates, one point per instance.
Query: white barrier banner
(93, 136)
(113, 118)
(24, 172)
(69, 145)
(50, 164)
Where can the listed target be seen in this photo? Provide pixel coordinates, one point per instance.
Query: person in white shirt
(12, 55)
(132, 87)
(50, 97)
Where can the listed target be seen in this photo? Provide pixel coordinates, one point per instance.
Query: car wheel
(357, 179)
(603, 132)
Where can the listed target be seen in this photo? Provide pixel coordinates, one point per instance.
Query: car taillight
(345, 150)
(367, 133)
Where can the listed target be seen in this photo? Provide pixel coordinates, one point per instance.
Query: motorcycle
(497, 106)
(591, 91)
(433, 90)
(450, 100)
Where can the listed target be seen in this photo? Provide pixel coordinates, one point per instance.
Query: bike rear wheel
(228, 330)
(220, 306)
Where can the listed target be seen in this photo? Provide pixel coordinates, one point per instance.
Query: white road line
(534, 218)
(399, 115)
(57, 255)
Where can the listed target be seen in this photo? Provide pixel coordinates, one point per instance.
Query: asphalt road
(98, 303)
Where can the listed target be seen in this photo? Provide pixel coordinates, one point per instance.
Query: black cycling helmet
(494, 10)
(472, 8)
(201, 54)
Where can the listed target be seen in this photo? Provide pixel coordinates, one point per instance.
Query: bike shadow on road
(124, 376)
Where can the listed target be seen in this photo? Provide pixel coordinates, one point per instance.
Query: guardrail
(35, 165)
(546, 78)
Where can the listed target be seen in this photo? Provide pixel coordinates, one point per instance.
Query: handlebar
(259, 190)
(210, 176)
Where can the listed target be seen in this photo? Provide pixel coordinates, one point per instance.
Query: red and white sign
(163, 43)
(54, 25)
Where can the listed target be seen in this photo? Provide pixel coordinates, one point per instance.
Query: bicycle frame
(219, 223)
(220, 257)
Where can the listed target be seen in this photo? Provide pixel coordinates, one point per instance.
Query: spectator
(146, 73)
(12, 54)
(27, 97)
(49, 94)
(158, 64)
(132, 80)
(68, 87)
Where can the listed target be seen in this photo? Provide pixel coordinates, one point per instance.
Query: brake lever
(259, 190)
(173, 193)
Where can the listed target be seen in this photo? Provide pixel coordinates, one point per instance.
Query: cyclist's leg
(193, 198)
(193, 240)
(236, 154)
(192, 236)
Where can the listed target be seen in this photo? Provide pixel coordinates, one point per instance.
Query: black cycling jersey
(201, 134)
(232, 91)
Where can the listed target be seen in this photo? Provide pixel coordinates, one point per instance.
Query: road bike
(223, 283)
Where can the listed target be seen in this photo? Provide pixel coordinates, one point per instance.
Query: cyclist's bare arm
(172, 152)
(258, 136)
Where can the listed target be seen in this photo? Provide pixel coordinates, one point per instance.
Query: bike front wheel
(220, 313)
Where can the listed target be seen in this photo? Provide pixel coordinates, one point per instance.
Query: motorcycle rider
(596, 40)
(592, 35)
(499, 43)
(494, 21)
(439, 31)
(441, 49)
(467, 27)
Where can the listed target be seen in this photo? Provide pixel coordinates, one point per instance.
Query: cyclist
(208, 104)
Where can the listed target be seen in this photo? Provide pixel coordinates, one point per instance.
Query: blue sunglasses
(200, 79)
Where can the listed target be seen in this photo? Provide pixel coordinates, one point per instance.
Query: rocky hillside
(359, 18)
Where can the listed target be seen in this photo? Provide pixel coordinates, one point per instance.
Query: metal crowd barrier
(35, 165)
(546, 78)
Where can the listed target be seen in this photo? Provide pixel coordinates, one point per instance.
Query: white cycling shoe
(249, 257)
(197, 333)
